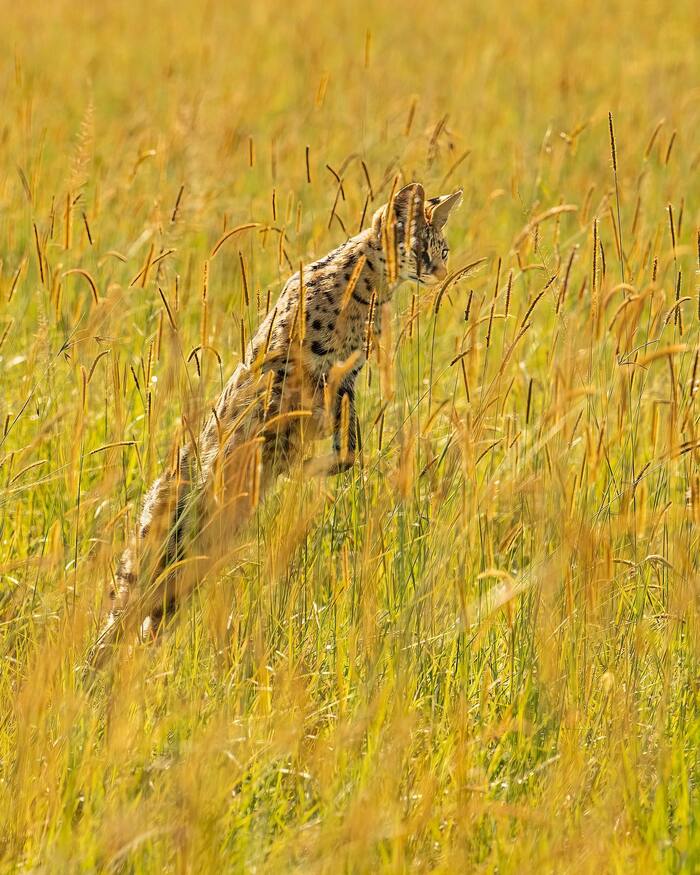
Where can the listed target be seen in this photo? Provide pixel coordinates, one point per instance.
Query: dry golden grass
(477, 651)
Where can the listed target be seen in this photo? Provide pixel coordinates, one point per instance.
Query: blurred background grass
(479, 650)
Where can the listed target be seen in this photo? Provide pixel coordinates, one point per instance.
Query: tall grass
(478, 650)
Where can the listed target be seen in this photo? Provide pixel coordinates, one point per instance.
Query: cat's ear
(415, 193)
(408, 206)
(438, 209)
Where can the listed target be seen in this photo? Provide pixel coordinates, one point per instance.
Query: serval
(295, 384)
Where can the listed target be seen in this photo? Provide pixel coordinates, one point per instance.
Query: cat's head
(418, 238)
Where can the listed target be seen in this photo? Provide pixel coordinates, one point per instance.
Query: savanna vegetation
(477, 651)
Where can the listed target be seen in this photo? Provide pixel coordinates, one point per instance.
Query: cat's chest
(336, 326)
(350, 335)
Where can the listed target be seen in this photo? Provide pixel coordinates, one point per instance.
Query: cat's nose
(440, 272)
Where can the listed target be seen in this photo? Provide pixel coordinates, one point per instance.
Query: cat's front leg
(346, 435)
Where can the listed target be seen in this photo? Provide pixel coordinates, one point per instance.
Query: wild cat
(295, 384)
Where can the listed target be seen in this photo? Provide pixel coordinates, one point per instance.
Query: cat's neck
(373, 275)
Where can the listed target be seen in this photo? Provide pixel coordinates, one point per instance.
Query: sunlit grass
(476, 651)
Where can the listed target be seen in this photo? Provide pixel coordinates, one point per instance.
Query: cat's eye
(445, 253)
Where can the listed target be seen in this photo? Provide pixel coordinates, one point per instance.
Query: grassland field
(478, 650)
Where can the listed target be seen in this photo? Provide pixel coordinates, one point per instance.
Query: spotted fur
(297, 383)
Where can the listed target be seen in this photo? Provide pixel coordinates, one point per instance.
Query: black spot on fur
(316, 325)
(318, 348)
(360, 300)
